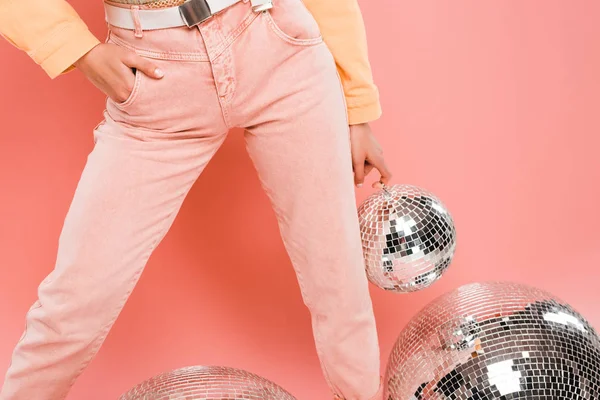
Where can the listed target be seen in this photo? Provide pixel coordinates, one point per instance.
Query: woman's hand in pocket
(110, 68)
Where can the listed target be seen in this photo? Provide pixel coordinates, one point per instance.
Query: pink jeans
(270, 73)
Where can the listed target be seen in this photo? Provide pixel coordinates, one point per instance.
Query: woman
(177, 78)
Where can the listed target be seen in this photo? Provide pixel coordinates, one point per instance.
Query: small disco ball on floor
(207, 383)
(495, 341)
(408, 238)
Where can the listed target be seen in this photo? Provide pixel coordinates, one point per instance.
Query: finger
(368, 168)
(144, 65)
(359, 170)
(122, 82)
(386, 175)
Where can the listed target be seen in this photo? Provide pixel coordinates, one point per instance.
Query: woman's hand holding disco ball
(366, 155)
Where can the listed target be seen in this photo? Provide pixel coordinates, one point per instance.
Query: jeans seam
(230, 38)
(343, 95)
(161, 55)
(35, 306)
(349, 139)
(336, 390)
(281, 34)
(225, 113)
(309, 304)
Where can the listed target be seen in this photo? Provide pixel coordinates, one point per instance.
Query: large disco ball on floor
(408, 238)
(207, 383)
(495, 341)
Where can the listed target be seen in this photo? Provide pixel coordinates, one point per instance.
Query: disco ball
(207, 383)
(408, 238)
(495, 341)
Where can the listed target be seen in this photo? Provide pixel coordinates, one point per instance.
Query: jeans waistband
(188, 44)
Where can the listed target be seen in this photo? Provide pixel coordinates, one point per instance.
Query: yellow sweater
(54, 36)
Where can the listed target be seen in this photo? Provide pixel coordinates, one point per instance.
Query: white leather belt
(190, 13)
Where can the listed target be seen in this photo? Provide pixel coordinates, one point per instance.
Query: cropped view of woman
(294, 75)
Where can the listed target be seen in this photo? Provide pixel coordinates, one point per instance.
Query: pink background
(493, 106)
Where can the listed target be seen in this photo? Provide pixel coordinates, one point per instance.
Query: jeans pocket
(134, 92)
(292, 22)
(136, 81)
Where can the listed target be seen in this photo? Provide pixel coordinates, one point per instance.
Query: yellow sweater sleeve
(50, 31)
(343, 29)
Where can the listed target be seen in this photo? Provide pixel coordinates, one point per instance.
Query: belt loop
(107, 32)
(261, 5)
(136, 20)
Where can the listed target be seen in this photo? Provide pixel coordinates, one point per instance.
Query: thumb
(146, 66)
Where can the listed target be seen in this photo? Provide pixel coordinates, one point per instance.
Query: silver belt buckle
(194, 12)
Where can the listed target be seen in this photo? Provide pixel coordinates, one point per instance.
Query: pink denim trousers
(269, 73)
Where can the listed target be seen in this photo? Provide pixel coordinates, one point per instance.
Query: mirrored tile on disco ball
(408, 237)
(495, 341)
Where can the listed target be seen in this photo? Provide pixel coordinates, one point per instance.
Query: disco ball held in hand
(207, 383)
(495, 341)
(408, 238)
